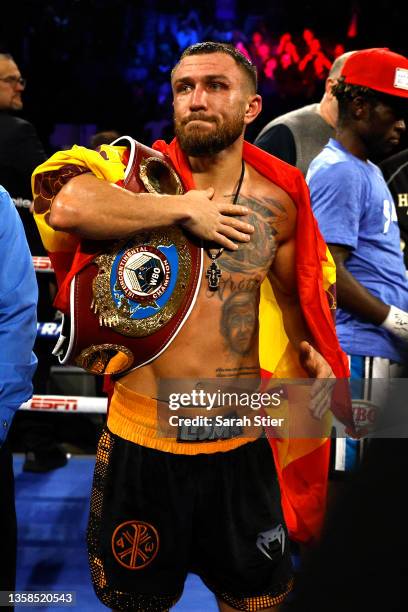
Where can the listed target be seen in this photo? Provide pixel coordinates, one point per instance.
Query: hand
(317, 367)
(215, 221)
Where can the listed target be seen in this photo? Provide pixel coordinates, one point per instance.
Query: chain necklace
(214, 272)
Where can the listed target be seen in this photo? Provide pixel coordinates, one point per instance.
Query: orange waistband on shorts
(134, 417)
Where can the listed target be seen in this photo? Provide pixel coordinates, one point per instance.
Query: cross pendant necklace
(214, 272)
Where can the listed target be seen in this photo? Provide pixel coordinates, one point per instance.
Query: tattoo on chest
(252, 371)
(266, 215)
(229, 284)
(239, 321)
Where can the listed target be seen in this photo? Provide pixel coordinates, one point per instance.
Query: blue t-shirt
(354, 207)
(18, 314)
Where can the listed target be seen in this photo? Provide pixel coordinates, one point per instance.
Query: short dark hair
(101, 138)
(345, 94)
(204, 48)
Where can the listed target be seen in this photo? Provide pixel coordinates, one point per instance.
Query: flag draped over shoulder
(302, 464)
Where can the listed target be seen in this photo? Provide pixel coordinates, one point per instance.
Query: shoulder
(274, 128)
(265, 188)
(292, 117)
(334, 165)
(9, 215)
(12, 127)
(395, 163)
(5, 199)
(272, 203)
(13, 122)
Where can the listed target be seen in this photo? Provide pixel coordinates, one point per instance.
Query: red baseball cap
(379, 69)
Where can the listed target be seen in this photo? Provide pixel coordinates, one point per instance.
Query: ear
(253, 108)
(360, 108)
(328, 87)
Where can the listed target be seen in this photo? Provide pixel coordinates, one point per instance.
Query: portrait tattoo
(239, 321)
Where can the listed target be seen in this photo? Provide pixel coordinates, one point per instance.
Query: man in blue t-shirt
(18, 306)
(356, 213)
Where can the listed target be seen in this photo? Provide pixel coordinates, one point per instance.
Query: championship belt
(129, 303)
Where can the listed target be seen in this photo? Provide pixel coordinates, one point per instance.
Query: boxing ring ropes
(59, 403)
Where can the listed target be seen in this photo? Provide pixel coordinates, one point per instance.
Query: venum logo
(266, 541)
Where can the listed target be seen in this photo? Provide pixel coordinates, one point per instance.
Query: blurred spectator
(270, 67)
(395, 170)
(315, 66)
(165, 60)
(18, 296)
(240, 42)
(287, 50)
(101, 138)
(338, 50)
(260, 51)
(188, 32)
(223, 32)
(20, 152)
(307, 38)
(298, 136)
(20, 148)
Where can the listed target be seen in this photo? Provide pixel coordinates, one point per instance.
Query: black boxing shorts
(155, 516)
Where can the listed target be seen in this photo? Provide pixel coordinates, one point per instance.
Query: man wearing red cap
(356, 213)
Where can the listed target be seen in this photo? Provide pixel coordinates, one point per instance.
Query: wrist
(177, 209)
(396, 322)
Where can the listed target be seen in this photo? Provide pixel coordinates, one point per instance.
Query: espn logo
(42, 264)
(48, 402)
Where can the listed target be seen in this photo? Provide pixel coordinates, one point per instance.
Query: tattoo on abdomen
(239, 321)
(266, 216)
(252, 371)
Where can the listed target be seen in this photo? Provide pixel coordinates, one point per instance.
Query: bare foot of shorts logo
(135, 544)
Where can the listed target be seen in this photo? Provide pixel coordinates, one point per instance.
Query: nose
(198, 100)
(19, 86)
(401, 125)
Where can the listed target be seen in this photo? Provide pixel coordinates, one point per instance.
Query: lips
(200, 118)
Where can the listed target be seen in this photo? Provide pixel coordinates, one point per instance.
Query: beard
(198, 143)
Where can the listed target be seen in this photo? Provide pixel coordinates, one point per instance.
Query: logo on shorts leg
(135, 544)
(266, 541)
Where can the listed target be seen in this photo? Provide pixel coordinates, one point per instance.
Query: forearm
(98, 210)
(355, 298)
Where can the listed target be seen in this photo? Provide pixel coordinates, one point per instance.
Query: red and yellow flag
(302, 464)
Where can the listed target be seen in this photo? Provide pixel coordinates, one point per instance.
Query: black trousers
(8, 522)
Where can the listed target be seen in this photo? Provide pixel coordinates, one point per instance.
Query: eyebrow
(207, 78)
